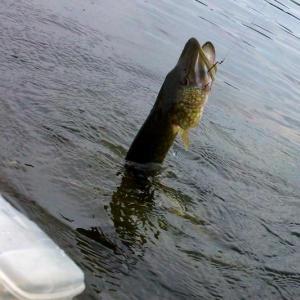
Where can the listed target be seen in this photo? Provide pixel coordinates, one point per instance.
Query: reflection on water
(219, 221)
(130, 208)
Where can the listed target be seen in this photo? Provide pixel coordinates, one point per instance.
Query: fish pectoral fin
(184, 134)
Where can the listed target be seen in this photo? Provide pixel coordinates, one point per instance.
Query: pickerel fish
(179, 104)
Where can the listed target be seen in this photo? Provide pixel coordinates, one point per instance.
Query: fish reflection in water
(130, 207)
(135, 212)
(130, 211)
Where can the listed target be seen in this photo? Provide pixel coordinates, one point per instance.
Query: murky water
(221, 221)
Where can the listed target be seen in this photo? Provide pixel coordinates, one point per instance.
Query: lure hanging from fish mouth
(215, 65)
(179, 104)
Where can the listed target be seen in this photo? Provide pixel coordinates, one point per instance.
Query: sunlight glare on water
(219, 221)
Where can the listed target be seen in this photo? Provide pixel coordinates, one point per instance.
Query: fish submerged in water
(179, 104)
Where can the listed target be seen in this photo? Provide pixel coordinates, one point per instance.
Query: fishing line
(238, 41)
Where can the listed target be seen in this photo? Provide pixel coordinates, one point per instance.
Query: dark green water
(221, 221)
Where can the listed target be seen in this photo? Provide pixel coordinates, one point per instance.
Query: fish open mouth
(195, 63)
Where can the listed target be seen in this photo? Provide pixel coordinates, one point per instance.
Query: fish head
(187, 86)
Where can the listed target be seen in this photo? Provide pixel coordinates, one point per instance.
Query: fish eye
(185, 81)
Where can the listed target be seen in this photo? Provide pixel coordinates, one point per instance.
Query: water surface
(221, 220)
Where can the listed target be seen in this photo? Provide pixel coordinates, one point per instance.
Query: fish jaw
(196, 83)
(194, 63)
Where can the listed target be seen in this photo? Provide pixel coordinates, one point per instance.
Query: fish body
(179, 104)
